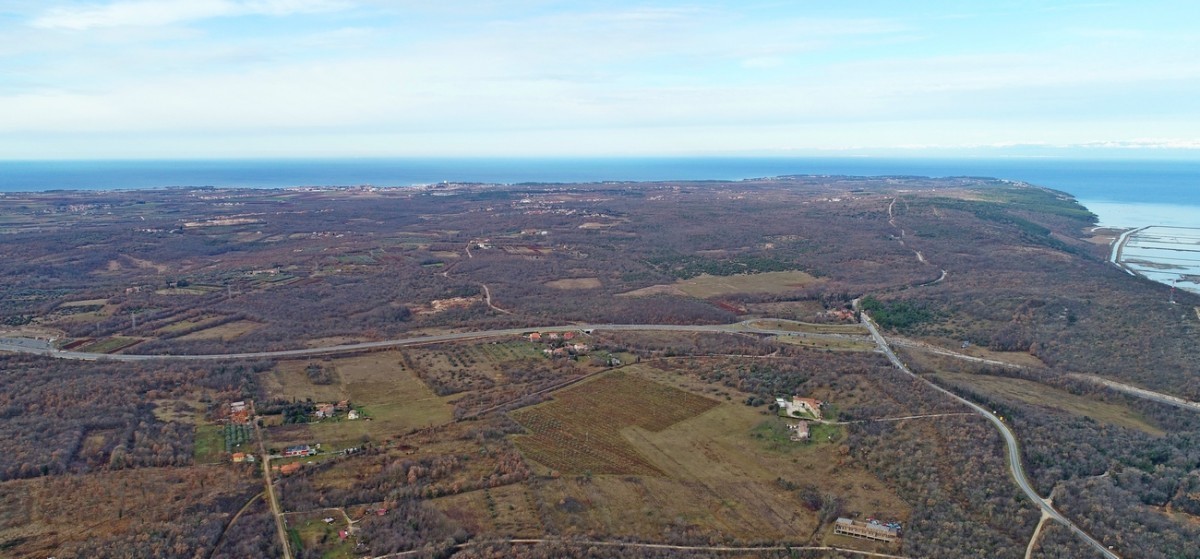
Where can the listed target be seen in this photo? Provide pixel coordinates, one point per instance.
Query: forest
(1010, 276)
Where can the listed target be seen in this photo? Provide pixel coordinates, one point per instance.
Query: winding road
(1010, 440)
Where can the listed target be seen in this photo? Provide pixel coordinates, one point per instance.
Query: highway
(1014, 451)
(43, 347)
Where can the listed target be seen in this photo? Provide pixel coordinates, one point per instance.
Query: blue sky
(269, 78)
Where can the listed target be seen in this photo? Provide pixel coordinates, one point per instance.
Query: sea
(1122, 192)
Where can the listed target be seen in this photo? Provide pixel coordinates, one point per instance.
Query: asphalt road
(1014, 450)
(26, 345)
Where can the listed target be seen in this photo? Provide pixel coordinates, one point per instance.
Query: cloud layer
(269, 77)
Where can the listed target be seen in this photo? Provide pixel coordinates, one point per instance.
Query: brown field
(574, 283)
(866, 344)
(227, 331)
(706, 286)
(582, 429)
(712, 471)
(794, 310)
(808, 327)
(1043, 395)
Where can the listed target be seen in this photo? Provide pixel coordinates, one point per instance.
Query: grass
(833, 345)
(580, 431)
(808, 327)
(209, 444)
(393, 399)
(109, 345)
(1042, 395)
(226, 331)
(574, 283)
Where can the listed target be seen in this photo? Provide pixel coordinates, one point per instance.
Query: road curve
(26, 345)
(1010, 440)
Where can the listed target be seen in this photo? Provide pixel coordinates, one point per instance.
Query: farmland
(705, 286)
(580, 431)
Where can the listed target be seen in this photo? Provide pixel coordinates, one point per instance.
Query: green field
(109, 345)
(209, 445)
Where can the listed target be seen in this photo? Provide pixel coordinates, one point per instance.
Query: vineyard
(579, 431)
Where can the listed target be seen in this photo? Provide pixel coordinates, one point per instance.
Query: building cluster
(326, 410)
(561, 343)
(798, 407)
(871, 529)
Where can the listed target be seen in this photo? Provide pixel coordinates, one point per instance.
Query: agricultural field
(706, 286)
(575, 283)
(390, 395)
(808, 327)
(109, 345)
(1042, 395)
(209, 445)
(226, 331)
(833, 345)
(582, 429)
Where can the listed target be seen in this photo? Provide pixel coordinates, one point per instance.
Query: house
(239, 457)
(240, 412)
(797, 406)
(324, 410)
(299, 450)
(352, 414)
(553, 336)
(568, 336)
(342, 405)
(809, 405)
(289, 469)
(799, 431)
(535, 337)
(870, 530)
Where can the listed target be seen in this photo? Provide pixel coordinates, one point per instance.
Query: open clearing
(808, 327)
(224, 332)
(580, 430)
(575, 283)
(711, 470)
(391, 396)
(1042, 395)
(706, 286)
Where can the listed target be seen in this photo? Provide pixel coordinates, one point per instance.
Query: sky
(350, 78)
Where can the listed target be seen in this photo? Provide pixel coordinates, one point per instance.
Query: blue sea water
(1123, 192)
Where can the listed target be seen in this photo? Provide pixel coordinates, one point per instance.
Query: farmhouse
(871, 530)
(240, 412)
(299, 450)
(797, 406)
(324, 410)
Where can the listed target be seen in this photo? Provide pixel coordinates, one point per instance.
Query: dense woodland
(1002, 266)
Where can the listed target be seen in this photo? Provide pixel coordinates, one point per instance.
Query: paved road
(635, 545)
(1140, 392)
(26, 345)
(1010, 440)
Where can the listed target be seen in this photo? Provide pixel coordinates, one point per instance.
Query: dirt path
(221, 538)
(634, 545)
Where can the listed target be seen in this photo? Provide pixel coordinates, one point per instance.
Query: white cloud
(150, 13)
